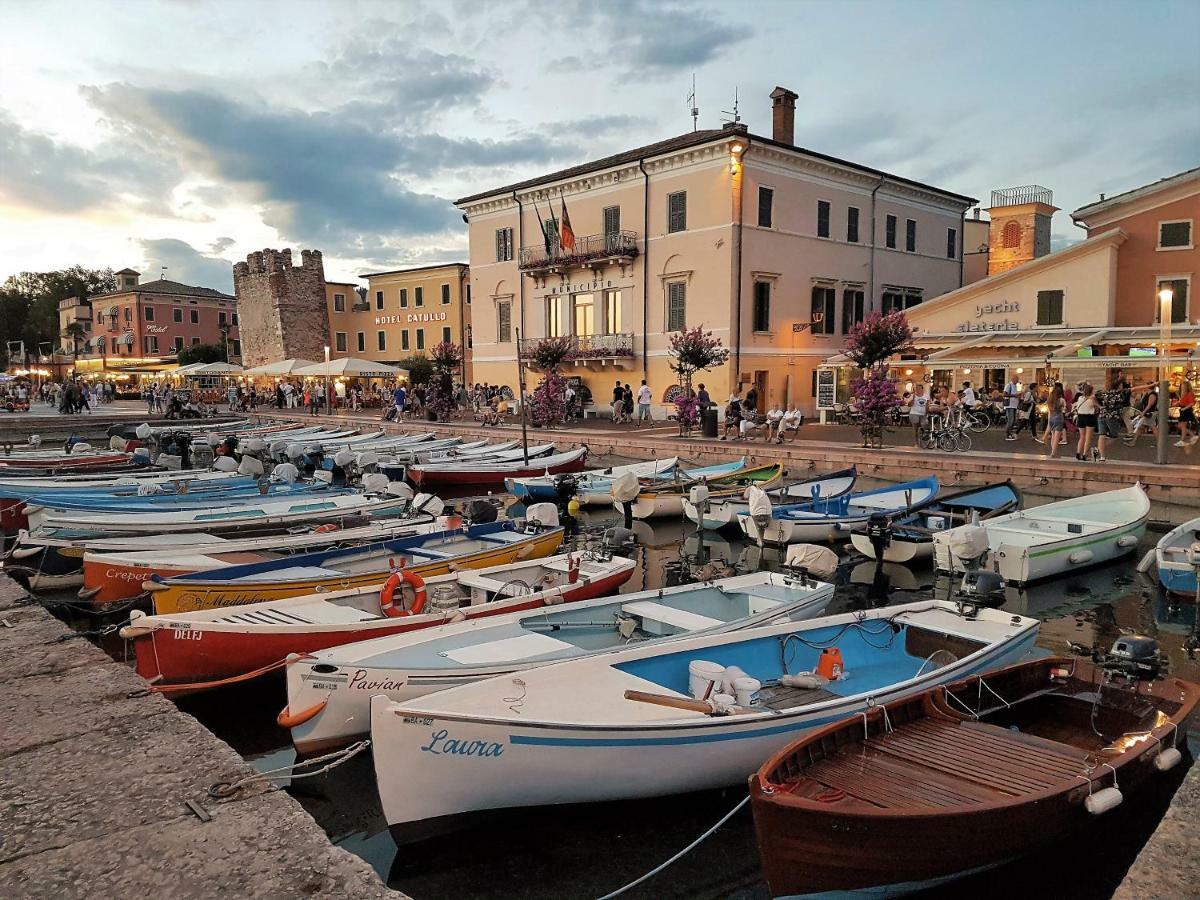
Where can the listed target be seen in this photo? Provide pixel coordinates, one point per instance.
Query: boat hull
(428, 480)
(900, 549)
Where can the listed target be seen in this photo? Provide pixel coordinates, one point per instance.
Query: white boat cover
(819, 561)
(626, 487)
(760, 503)
(968, 541)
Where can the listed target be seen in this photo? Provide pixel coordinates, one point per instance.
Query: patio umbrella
(350, 367)
(283, 367)
(218, 368)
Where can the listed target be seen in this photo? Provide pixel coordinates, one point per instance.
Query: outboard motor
(225, 464)
(1135, 656)
(541, 516)
(811, 559)
(375, 484)
(968, 546)
(399, 489)
(625, 489)
(480, 512)
(286, 473)
(323, 477)
(983, 586)
(566, 486)
(879, 533)
(429, 504)
(759, 509)
(344, 460)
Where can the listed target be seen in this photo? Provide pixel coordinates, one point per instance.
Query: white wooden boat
(665, 497)
(723, 512)
(1058, 537)
(1177, 558)
(594, 486)
(331, 691)
(576, 732)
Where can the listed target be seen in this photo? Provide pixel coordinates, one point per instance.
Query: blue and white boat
(910, 536)
(1177, 555)
(595, 486)
(342, 680)
(232, 495)
(833, 518)
(724, 512)
(633, 723)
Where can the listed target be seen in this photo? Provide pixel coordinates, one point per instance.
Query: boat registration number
(186, 634)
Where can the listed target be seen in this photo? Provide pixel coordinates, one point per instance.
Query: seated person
(733, 418)
(789, 424)
(752, 426)
(774, 417)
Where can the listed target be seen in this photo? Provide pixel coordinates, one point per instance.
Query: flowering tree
(693, 350)
(548, 403)
(550, 353)
(445, 358)
(871, 343)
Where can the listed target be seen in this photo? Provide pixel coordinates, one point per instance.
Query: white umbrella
(351, 367)
(283, 367)
(188, 369)
(218, 368)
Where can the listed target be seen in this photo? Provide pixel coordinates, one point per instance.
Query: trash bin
(708, 422)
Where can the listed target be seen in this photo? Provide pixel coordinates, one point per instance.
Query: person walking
(1113, 404)
(1147, 415)
(1056, 423)
(618, 403)
(398, 397)
(644, 397)
(918, 412)
(1012, 403)
(627, 403)
(1187, 416)
(1086, 411)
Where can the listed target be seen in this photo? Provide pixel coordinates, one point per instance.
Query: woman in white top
(918, 409)
(774, 417)
(789, 424)
(1086, 411)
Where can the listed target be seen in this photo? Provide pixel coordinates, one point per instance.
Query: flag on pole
(542, 225)
(566, 233)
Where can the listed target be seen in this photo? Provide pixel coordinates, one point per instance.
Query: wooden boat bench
(649, 611)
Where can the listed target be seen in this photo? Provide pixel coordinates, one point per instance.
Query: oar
(699, 706)
(1147, 561)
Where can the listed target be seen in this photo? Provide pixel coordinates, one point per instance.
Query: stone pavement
(93, 784)
(1169, 865)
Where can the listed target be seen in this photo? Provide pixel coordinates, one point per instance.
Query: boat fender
(729, 676)
(572, 569)
(286, 719)
(326, 528)
(1167, 759)
(1127, 540)
(387, 596)
(807, 682)
(1147, 561)
(1103, 800)
(1080, 556)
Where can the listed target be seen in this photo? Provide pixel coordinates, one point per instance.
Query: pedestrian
(1056, 423)
(1113, 404)
(1187, 416)
(1086, 414)
(733, 415)
(702, 398)
(627, 402)
(918, 412)
(643, 398)
(1147, 415)
(750, 403)
(398, 397)
(618, 403)
(1012, 398)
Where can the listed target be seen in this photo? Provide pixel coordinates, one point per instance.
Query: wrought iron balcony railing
(591, 248)
(588, 347)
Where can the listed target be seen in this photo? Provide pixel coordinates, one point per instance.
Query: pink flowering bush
(548, 404)
(693, 350)
(549, 353)
(687, 411)
(877, 338)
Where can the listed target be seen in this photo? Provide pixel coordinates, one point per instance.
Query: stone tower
(281, 308)
(1020, 230)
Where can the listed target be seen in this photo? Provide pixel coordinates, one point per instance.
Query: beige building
(402, 313)
(776, 249)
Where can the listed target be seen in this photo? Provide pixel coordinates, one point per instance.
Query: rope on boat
(682, 853)
(99, 632)
(222, 790)
(220, 682)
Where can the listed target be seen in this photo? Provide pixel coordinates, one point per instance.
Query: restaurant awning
(126, 339)
(350, 367)
(283, 367)
(97, 341)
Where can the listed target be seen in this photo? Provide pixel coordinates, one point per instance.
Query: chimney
(783, 115)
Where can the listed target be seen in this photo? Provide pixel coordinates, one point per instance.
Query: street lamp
(328, 392)
(1165, 298)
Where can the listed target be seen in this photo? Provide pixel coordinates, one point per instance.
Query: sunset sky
(185, 133)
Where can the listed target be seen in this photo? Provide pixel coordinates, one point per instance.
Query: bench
(660, 614)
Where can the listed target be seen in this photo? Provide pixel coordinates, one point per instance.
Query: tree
(76, 334)
(29, 302)
(202, 353)
(420, 369)
(871, 343)
(445, 358)
(548, 403)
(691, 351)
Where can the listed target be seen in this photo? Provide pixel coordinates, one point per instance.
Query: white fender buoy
(1080, 556)
(1167, 759)
(1101, 801)
(225, 464)
(1126, 540)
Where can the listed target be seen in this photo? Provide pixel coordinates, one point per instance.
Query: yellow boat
(439, 553)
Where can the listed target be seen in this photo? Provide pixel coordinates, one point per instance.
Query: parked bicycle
(940, 435)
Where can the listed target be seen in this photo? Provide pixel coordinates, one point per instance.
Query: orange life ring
(326, 528)
(387, 596)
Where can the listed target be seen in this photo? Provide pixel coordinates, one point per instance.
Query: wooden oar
(699, 706)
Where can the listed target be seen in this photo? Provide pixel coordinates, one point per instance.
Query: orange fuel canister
(830, 664)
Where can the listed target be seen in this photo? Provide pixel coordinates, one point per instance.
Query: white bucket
(936, 523)
(704, 678)
(729, 678)
(746, 690)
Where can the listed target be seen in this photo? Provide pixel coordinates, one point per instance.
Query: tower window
(1010, 237)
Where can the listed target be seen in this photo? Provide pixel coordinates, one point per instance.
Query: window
(890, 232)
(339, 340)
(583, 314)
(339, 302)
(194, 314)
(504, 321)
(445, 294)
(766, 202)
(1050, 307)
(676, 212)
(237, 348)
(420, 338)
(762, 306)
(362, 342)
(404, 339)
(379, 299)
(1010, 237)
(177, 315)
(951, 243)
(404, 298)
(446, 335)
(381, 337)
(676, 306)
(221, 318)
(824, 307)
(129, 314)
(1175, 235)
(910, 235)
(554, 321)
(149, 311)
(178, 342)
(1179, 298)
(853, 309)
(612, 226)
(151, 343)
(612, 312)
(852, 224)
(418, 296)
(823, 218)
(195, 341)
(504, 244)
(235, 318)
(468, 293)
(899, 299)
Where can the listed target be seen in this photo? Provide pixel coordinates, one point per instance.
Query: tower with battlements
(281, 307)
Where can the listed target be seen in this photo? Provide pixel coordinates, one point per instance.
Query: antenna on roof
(732, 116)
(695, 110)
(162, 273)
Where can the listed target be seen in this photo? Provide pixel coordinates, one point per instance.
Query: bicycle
(976, 420)
(942, 436)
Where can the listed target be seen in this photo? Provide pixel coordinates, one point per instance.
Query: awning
(97, 341)
(111, 311)
(126, 339)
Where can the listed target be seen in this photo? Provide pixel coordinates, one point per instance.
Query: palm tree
(74, 332)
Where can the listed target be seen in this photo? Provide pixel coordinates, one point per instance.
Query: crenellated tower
(281, 306)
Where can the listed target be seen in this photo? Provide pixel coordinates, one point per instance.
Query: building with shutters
(776, 249)
(1090, 311)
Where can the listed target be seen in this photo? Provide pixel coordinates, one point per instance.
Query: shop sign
(983, 322)
(826, 388)
(156, 329)
(411, 317)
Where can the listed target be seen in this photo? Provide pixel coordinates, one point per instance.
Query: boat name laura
(441, 744)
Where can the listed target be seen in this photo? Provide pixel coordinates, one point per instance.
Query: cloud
(188, 265)
(221, 244)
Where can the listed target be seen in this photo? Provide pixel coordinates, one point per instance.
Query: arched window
(1011, 236)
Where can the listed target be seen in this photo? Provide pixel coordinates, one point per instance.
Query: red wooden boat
(963, 778)
(51, 464)
(431, 476)
(208, 645)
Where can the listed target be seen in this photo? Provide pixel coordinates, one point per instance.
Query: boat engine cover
(968, 541)
(626, 487)
(225, 464)
(400, 489)
(250, 466)
(375, 482)
(428, 503)
(343, 458)
(285, 472)
(480, 512)
(544, 514)
(819, 561)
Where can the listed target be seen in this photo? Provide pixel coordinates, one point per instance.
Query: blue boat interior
(852, 503)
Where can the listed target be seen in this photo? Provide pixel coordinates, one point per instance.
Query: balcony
(591, 351)
(591, 251)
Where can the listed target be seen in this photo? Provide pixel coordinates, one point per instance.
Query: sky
(188, 133)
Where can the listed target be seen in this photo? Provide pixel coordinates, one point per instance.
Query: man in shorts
(918, 411)
(643, 399)
(1113, 404)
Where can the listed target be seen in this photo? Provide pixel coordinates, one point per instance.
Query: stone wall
(281, 307)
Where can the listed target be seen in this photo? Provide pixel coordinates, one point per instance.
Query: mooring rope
(224, 789)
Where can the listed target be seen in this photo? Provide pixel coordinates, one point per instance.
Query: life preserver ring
(387, 596)
(326, 528)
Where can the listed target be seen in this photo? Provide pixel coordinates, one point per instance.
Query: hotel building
(776, 249)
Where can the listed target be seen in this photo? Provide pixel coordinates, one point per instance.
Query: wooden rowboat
(667, 499)
(490, 473)
(961, 778)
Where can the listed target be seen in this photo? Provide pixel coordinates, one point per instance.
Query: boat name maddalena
(441, 744)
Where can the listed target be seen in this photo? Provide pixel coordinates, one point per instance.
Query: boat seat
(648, 610)
(301, 614)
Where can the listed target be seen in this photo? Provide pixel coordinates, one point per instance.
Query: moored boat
(329, 694)
(489, 473)
(624, 724)
(667, 499)
(722, 511)
(961, 778)
(594, 486)
(1177, 559)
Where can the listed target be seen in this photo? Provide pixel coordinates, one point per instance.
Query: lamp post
(1165, 298)
(328, 392)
